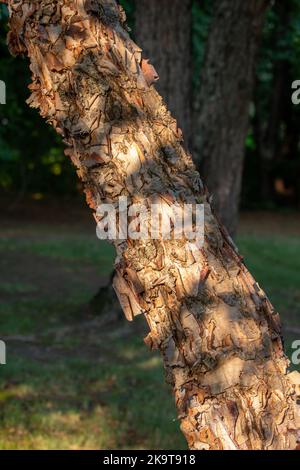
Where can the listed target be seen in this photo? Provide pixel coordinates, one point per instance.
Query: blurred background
(77, 375)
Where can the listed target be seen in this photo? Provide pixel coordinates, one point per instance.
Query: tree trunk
(218, 334)
(222, 106)
(166, 37)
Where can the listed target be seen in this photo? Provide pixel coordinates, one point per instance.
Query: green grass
(72, 387)
(275, 263)
(75, 404)
(68, 385)
(71, 249)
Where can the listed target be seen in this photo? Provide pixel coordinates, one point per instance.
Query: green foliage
(273, 112)
(202, 16)
(129, 7)
(31, 154)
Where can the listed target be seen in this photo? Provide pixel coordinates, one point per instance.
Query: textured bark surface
(165, 36)
(222, 106)
(218, 333)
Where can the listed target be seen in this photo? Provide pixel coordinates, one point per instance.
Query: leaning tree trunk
(166, 37)
(222, 105)
(218, 333)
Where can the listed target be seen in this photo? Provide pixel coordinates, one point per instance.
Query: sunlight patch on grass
(154, 361)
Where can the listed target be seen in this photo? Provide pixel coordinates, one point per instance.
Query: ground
(74, 381)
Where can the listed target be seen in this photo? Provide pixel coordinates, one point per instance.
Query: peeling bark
(217, 331)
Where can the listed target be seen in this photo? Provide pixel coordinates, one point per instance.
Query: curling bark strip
(219, 336)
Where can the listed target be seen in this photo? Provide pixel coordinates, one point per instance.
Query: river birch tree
(218, 334)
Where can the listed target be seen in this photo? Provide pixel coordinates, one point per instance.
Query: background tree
(40, 171)
(230, 376)
(166, 37)
(221, 117)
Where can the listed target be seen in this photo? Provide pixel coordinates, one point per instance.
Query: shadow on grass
(118, 401)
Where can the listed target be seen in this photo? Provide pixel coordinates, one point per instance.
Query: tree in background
(165, 35)
(39, 169)
(221, 117)
(218, 333)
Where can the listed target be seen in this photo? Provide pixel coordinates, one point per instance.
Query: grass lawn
(72, 383)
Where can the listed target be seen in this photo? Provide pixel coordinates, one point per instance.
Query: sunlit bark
(218, 333)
